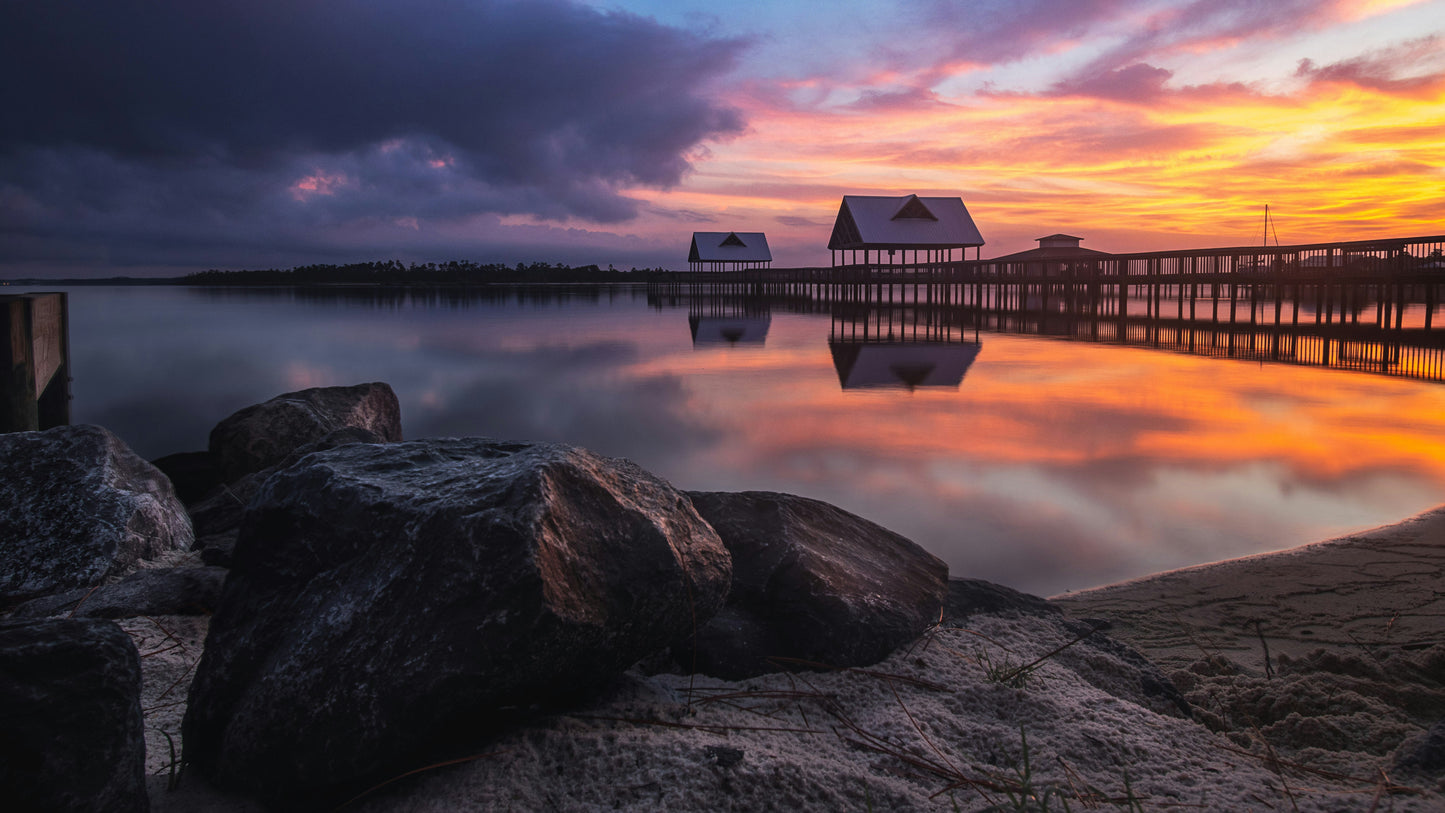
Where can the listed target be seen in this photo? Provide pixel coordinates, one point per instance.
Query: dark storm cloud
(129, 123)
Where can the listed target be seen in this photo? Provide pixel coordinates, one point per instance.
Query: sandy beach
(1355, 679)
(1383, 588)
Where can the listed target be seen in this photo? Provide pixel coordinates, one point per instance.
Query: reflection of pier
(1407, 352)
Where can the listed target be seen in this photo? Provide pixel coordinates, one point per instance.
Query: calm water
(1050, 465)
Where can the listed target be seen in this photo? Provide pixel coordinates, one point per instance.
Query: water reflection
(728, 321)
(1062, 463)
(901, 365)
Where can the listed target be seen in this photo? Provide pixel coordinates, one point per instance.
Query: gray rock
(157, 591)
(968, 597)
(385, 601)
(77, 507)
(219, 514)
(811, 582)
(263, 435)
(70, 702)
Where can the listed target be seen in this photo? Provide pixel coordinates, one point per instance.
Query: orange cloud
(1350, 151)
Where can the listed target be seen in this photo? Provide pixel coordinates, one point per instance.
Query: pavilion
(885, 229)
(728, 251)
(1054, 255)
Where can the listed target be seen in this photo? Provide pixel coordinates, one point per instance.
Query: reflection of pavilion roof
(902, 364)
(729, 329)
(1053, 247)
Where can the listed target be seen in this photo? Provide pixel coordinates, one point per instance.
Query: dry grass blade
(711, 729)
(162, 649)
(1320, 772)
(414, 772)
(773, 694)
(943, 770)
(873, 673)
(1189, 632)
(177, 681)
(87, 595)
(926, 741)
(928, 634)
(1274, 764)
(1034, 664)
(162, 627)
(1380, 789)
(1264, 644)
(1087, 796)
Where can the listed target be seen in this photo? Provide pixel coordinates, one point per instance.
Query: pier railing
(1364, 305)
(1334, 280)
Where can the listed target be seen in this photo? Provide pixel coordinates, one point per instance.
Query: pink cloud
(1412, 68)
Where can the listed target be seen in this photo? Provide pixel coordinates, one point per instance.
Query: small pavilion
(1054, 254)
(1053, 247)
(728, 251)
(885, 229)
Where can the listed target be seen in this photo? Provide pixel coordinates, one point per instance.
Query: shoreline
(1383, 586)
(1289, 591)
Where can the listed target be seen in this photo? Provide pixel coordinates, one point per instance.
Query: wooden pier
(1338, 304)
(35, 346)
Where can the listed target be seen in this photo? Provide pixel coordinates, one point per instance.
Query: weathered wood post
(35, 352)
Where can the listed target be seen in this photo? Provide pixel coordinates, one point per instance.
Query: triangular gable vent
(914, 210)
(733, 240)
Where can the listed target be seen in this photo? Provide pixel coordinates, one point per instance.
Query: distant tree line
(393, 272)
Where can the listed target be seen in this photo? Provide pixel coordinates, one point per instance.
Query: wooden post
(35, 353)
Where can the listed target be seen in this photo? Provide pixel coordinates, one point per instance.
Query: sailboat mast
(1269, 227)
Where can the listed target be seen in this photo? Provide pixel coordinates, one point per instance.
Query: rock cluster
(381, 601)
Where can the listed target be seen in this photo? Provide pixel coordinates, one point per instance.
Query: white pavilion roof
(729, 247)
(909, 221)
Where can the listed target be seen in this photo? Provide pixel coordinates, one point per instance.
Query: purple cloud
(135, 122)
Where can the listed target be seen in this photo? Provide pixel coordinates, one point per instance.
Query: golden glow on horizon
(1339, 157)
(1145, 407)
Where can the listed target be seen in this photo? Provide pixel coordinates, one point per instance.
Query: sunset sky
(171, 136)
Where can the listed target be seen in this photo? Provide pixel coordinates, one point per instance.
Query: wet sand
(1379, 588)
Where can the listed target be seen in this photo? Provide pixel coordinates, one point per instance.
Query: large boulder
(811, 582)
(263, 435)
(78, 507)
(70, 702)
(385, 601)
